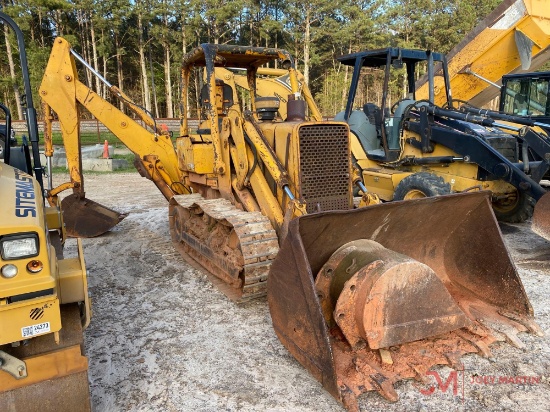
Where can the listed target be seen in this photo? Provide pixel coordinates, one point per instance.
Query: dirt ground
(163, 338)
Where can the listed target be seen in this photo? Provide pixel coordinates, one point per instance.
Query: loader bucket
(439, 260)
(86, 218)
(541, 217)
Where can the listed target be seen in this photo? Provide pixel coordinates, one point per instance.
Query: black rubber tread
(428, 183)
(521, 212)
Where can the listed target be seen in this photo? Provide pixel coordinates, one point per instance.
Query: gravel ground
(163, 338)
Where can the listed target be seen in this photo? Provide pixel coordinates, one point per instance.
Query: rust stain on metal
(384, 298)
(458, 248)
(85, 218)
(235, 246)
(541, 217)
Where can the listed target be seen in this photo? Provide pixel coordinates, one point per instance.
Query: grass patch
(87, 138)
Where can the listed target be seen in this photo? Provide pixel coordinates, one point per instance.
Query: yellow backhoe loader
(514, 38)
(347, 285)
(44, 303)
(415, 148)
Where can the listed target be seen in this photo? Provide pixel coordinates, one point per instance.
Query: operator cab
(377, 124)
(526, 94)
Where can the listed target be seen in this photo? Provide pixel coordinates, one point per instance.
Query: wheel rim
(414, 194)
(506, 205)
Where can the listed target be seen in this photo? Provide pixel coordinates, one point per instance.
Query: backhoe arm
(63, 92)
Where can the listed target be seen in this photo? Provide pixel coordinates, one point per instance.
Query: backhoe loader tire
(419, 185)
(521, 211)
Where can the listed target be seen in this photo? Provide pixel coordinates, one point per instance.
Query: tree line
(138, 44)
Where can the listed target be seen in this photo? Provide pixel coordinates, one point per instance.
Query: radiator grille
(324, 167)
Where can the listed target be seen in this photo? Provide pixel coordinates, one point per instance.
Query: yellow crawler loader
(44, 303)
(362, 298)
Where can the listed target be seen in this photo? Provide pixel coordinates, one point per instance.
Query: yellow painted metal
(269, 204)
(48, 366)
(283, 138)
(369, 199)
(14, 317)
(23, 213)
(70, 280)
(275, 82)
(53, 218)
(461, 176)
(142, 114)
(240, 159)
(52, 194)
(219, 165)
(232, 126)
(48, 142)
(490, 50)
(63, 92)
(184, 128)
(225, 179)
(380, 181)
(383, 181)
(356, 149)
(268, 156)
(198, 157)
(244, 196)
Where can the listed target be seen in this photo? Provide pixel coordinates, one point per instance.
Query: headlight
(19, 246)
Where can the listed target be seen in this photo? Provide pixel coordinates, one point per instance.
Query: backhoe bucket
(86, 218)
(422, 282)
(541, 217)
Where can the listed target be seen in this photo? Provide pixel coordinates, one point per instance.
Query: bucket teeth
(528, 323)
(386, 306)
(385, 387)
(385, 355)
(454, 360)
(420, 374)
(506, 332)
(478, 343)
(513, 339)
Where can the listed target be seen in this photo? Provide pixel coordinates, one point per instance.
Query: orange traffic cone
(106, 150)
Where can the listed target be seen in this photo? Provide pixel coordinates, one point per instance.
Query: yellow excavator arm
(62, 91)
(61, 78)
